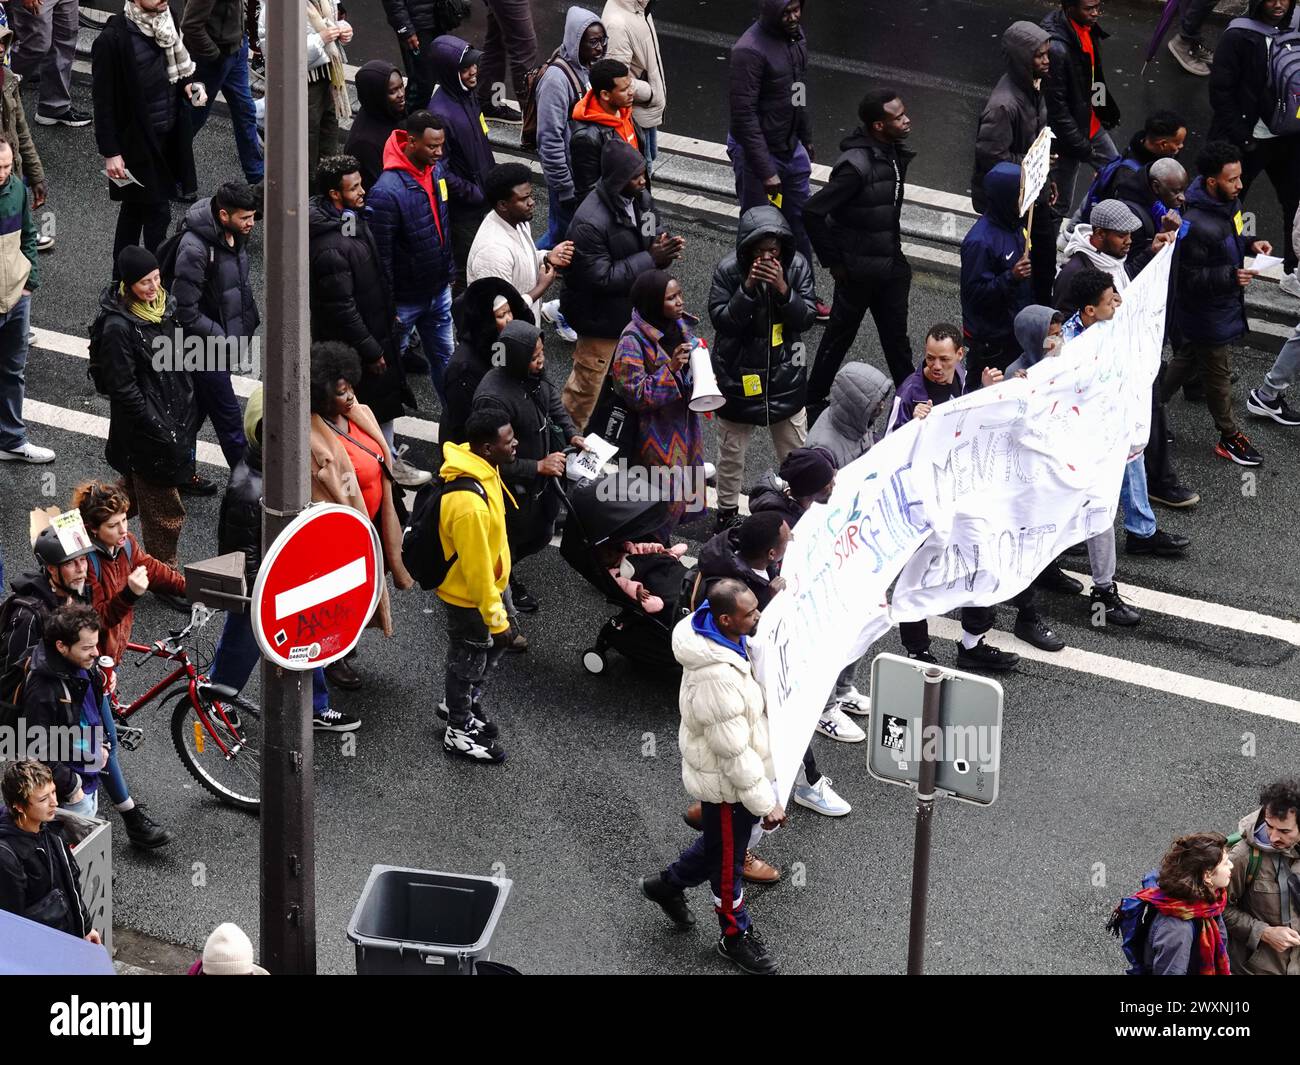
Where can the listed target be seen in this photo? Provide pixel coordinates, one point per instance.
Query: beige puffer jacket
(723, 736)
(633, 40)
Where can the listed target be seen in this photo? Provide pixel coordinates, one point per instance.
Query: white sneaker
(29, 452)
(856, 703)
(837, 726)
(821, 797)
(551, 313)
(1290, 284)
(44, 242)
(406, 475)
(710, 473)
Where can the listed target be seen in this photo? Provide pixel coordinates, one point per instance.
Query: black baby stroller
(599, 514)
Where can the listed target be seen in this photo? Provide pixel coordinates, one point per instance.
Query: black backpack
(528, 105)
(1281, 105)
(11, 673)
(422, 541)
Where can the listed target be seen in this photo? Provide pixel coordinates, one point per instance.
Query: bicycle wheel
(221, 746)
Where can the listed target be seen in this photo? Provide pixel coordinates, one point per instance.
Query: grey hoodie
(555, 100)
(1032, 324)
(844, 429)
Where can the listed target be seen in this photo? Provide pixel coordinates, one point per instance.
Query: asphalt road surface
(1105, 758)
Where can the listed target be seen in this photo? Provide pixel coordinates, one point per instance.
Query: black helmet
(49, 550)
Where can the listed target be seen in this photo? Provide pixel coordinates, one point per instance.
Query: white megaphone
(706, 396)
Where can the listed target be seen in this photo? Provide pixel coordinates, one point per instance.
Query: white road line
(87, 424)
(1143, 676)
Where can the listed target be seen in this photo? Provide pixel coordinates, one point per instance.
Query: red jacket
(115, 601)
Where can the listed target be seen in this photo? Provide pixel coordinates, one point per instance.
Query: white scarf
(161, 27)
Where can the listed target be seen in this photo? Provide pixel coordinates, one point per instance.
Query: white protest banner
(1035, 168)
(965, 508)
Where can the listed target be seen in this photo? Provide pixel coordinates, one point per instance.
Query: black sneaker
(70, 117)
(471, 743)
(727, 517)
(503, 113)
(1174, 496)
(748, 951)
(1237, 448)
(478, 720)
(522, 598)
(1054, 579)
(1274, 408)
(923, 656)
(198, 486)
(329, 720)
(1159, 543)
(1032, 627)
(669, 899)
(142, 830)
(985, 656)
(1118, 612)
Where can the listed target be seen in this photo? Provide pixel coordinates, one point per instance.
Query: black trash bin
(415, 921)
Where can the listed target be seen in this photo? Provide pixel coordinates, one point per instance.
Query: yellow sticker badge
(442, 189)
(482, 121)
(774, 198)
(1236, 221)
(752, 384)
(778, 331)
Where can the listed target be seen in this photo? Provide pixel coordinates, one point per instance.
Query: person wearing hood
(859, 400)
(1263, 914)
(996, 272)
(604, 112)
(1210, 308)
(143, 82)
(410, 221)
(761, 302)
(1081, 108)
(216, 302)
(769, 139)
(39, 878)
(651, 372)
(351, 301)
(154, 419)
(469, 153)
(482, 311)
(558, 91)
(239, 529)
(1242, 98)
(328, 102)
(381, 92)
(213, 31)
(617, 236)
(727, 765)
(475, 594)
(634, 40)
(854, 223)
(519, 391)
(1011, 121)
(417, 23)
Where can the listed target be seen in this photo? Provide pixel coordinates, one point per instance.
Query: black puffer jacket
(476, 332)
(1071, 86)
(350, 302)
(214, 294)
(425, 16)
(766, 65)
(32, 864)
(52, 697)
(763, 381)
(153, 416)
(1239, 92)
(22, 624)
(375, 122)
(610, 249)
(239, 526)
(1015, 112)
(854, 221)
(772, 493)
(585, 145)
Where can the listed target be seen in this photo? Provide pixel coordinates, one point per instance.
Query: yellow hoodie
(476, 533)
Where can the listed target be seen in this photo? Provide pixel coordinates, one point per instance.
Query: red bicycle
(217, 734)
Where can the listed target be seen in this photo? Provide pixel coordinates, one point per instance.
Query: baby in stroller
(614, 558)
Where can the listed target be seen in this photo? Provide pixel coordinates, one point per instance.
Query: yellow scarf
(148, 312)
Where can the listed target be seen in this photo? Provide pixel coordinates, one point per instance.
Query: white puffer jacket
(726, 756)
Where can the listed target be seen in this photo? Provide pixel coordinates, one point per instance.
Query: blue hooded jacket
(469, 154)
(991, 296)
(703, 623)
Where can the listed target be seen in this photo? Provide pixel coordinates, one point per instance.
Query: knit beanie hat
(228, 952)
(134, 262)
(807, 470)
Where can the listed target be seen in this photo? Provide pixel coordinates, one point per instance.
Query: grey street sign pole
(925, 795)
(288, 868)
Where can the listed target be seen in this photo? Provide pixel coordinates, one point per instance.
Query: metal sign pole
(925, 795)
(288, 866)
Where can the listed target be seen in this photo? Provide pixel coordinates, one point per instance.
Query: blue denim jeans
(651, 144)
(229, 76)
(238, 653)
(557, 223)
(1139, 518)
(795, 172)
(13, 364)
(432, 321)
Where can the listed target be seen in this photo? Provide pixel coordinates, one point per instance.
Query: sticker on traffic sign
(318, 586)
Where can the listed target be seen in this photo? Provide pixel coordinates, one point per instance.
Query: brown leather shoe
(757, 871)
(694, 816)
(518, 642)
(342, 675)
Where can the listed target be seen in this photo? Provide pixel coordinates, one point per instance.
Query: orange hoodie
(589, 110)
(395, 159)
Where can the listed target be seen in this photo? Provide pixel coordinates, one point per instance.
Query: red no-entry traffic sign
(318, 586)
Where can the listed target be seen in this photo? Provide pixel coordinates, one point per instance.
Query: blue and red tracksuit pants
(718, 856)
